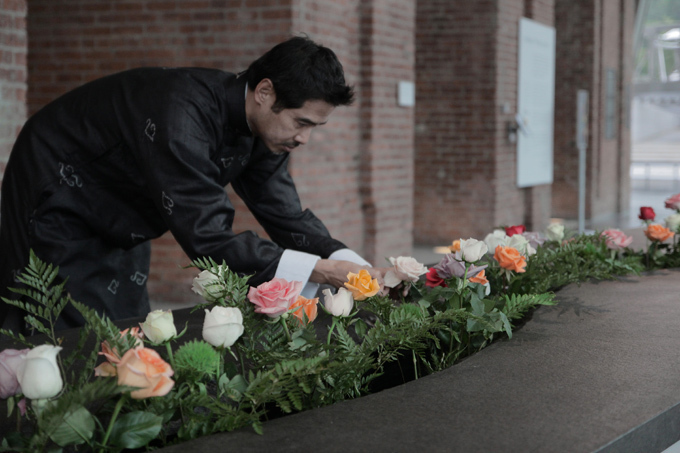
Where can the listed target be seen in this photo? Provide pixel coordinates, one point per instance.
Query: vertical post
(582, 144)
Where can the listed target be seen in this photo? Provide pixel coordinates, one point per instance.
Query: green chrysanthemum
(196, 358)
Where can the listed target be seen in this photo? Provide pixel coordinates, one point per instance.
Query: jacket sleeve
(184, 183)
(269, 192)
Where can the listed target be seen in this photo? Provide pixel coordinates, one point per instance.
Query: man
(103, 169)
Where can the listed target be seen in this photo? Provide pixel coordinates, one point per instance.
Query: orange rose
(455, 246)
(303, 306)
(479, 278)
(656, 232)
(361, 285)
(144, 368)
(509, 258)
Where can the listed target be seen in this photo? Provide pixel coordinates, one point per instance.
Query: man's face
(290, 128)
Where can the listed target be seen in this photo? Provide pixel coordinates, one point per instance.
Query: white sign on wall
(535, 103)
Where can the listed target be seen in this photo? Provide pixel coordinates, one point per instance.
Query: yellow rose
(361, 285)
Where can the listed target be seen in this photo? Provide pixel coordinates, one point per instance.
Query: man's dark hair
(301, 70)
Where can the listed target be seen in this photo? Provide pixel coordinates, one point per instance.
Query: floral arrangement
(266, 351)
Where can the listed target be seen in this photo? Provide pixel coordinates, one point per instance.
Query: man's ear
(264, 92)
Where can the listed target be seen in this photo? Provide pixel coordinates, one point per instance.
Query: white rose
(493, 240)
(406, 265)
(222, 326)
(340, 304)
(159, 326)
(673, 222)
(555, 232)
(472, 250)
(520, 243)
(208, 285)
(39, 375)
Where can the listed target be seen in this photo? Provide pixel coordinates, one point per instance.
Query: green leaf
(136, 429)
(76, 428)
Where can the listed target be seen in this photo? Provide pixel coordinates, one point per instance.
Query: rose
(472, 250)
(38, 374)
(222, 326)
(432, 279)
(555, 232)
(340, 304)
(616, 239)
(673, 222)
(516, 229)
(305, 308)
(496, 238)
(361, 285)
(159, 326)
(520, 243)
(274, 298)
(646, 213)
(509, 258)
(208, 285)
(455, 246)
(452, 265)
(673, 202)
(482, 280)
(405, 265)
(9, 362)
(113, 356)
(656, 232)
(144, 368)
(534, 238)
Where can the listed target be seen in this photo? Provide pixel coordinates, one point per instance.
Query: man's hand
(334, 272)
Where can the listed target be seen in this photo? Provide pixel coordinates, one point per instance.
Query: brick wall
(465, 168)
(13, 50)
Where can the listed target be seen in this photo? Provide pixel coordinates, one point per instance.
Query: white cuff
(349, 255)
(298, 266)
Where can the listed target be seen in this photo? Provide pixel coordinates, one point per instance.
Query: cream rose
(339, 304)
(222, 326)
(555, 232)
(39, 375)
(472, 250)
(520, 243)
(208, 285)
(494, 239)
(159, 326)
(673, 222)
(406, 265)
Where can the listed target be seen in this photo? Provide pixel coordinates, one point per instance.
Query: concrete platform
(598, 372)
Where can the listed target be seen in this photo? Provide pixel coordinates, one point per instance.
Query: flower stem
(330, 331)
(114, 416)
(285, 328)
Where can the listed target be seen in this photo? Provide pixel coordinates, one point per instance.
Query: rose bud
(159, 326)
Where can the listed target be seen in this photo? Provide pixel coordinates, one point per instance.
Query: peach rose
(304, 306)
(509, 258)
(455, 246)
(479, 278)
(143, 367)
(361, 285)
(112, 356)
(656, 232)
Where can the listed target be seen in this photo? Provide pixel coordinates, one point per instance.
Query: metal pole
(582, 144)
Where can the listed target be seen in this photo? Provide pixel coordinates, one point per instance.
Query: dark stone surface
(598, 371)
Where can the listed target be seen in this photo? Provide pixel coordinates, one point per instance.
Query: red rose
(517, 229)
(646, 213)
(433, 279)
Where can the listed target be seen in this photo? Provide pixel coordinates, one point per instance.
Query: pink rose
(673, 202)
(274, 298)
(9, 362)
(616, 239)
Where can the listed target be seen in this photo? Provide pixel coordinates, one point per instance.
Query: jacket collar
(236, 105)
